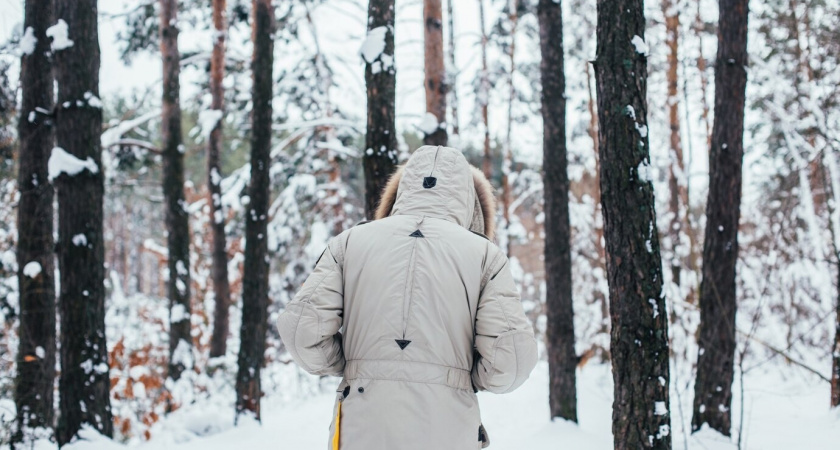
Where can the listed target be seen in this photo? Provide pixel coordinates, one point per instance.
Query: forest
(667, 177)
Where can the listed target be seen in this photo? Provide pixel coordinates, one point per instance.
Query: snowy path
(781, 414)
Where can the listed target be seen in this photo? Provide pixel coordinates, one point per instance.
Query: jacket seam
(410, 361)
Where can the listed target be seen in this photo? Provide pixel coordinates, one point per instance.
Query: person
(417, 310)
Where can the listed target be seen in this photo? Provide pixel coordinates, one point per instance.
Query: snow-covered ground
(781, 413)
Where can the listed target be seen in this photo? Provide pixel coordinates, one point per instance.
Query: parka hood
(438, 182)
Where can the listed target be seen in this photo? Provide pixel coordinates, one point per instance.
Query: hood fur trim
(485, 196)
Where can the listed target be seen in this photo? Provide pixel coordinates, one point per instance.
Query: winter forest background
(170, 370)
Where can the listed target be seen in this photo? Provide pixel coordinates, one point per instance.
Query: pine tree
(177, 217)
(221, 285)
(718, 302)
(435, 81)
(560, 333)
(639, 334)
(380, 158)
(255, 281)
(84, 383)
(35, 246)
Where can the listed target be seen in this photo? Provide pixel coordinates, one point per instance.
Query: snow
(32, 269)
(28, 41)
(179, 313)
(79, 240)
(63, 162)
(429, 124)
(640, 45)
(780, 412)
(59, 34)
(660, 409)
(374, 44)
(93, 100)
(207, 120)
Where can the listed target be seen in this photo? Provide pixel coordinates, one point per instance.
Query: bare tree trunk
(484, 95)
(221, 285)
(677, 181)
(507, 160)
(560, 333)
(597, 219)
(704, 79)
(177, 218)
(639, 334)
(84, 382)
(436, 83)
(453, 68)
(255, 282)
(718, 302)
(380, 158)
(831, 180)
(35, 247)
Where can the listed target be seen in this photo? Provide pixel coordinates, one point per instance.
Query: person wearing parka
(417, 311)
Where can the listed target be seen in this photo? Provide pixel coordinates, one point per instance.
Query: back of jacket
(416, 312)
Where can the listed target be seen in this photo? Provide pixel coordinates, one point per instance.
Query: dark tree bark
(380, 158)
(453, 83)
(35, 246)
(84, 383)
(835, 354)
(177, 218)
(560, 332)
(221, 286)
(255, 282)
(639, 334)
(713, 387)
(436, 83)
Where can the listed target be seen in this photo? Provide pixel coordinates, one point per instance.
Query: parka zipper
(409, 287)
(434, 163)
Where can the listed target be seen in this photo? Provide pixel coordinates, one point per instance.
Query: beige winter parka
(416, 310)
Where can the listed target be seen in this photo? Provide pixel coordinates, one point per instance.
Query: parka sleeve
(309, 327)
(504, 341)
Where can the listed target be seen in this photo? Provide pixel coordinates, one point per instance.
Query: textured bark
(718, 303)
(380, 159)
(36, 352)
(435, 79)
(221, 286)
(453, 83)
(177, 218)
(639, 334)
(484, 91)
(84, 383)
(560, 332)
(255, 281)
(835, 354)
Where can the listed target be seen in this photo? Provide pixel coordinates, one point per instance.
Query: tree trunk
(639, 333)
(453, 83)
(713, 387)
(380, 158)
(436, 83)
(704, 79)
(35, 246)
(507, 160)
(835, 354)
(560, 333)
(678, 202)
(177, 218)
(484, 96)
(84, 383)
(255, 281)
(221, 286)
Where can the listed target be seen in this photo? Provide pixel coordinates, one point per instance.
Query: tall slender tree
(177, 218)
(639, 334)
(436, 83)
(484, 94)
(255, 282)
(560, 332)
(380, 158)
(35, 246)
(84, 383)
(221, 285)
(507, 159)
(453, 68)
(718, 303)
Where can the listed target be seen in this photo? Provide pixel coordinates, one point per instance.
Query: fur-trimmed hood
(438, 181)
